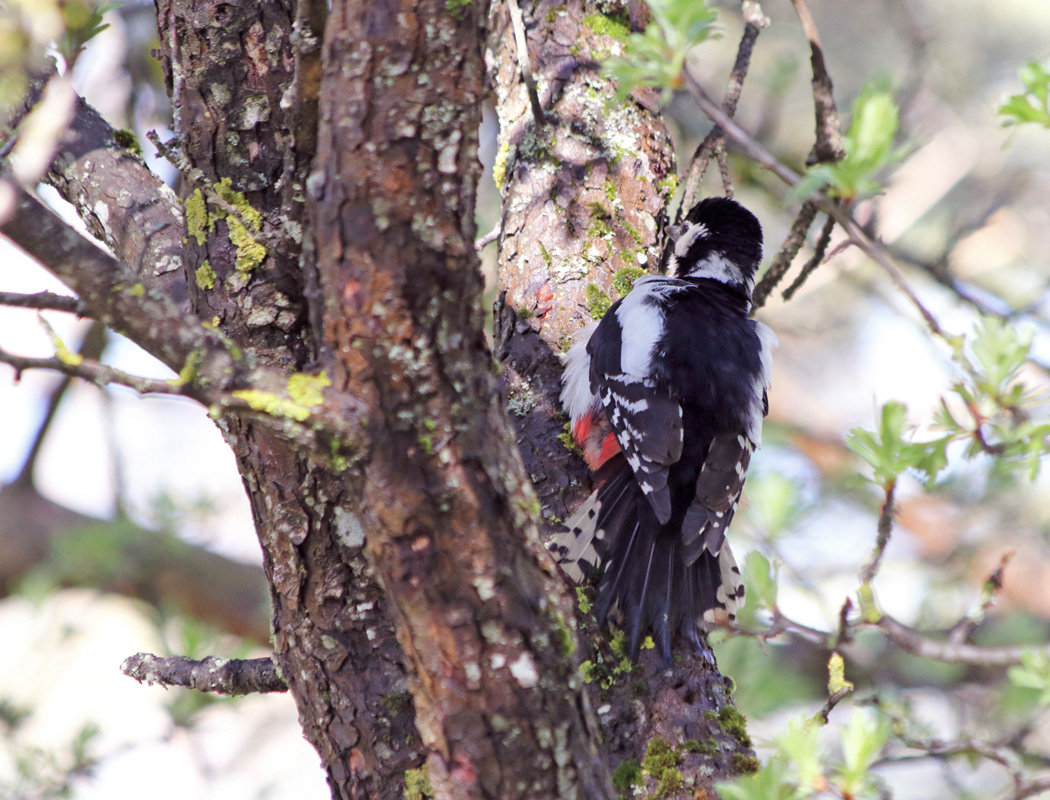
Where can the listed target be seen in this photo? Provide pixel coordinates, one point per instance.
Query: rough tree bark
(415, 612)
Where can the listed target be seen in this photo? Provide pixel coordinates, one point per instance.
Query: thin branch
(94, 372)
(488, 238)
(218, 675)
(818, 258)
(43, 301)
(884, 529)
(1029, 789)
(828, 145)
(991, 591)
(919, 643)
(788, 250)
(112, 293)
(832, 701)
(713, 143)
(521, 45)
(120, 200)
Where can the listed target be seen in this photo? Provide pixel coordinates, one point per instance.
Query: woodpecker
(666, 396)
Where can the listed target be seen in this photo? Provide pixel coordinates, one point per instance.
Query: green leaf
(862, 741)
(1033, 673)
(775, 508)
(800, 744)
(769, 783)
(656, 56)
(1031, 106)
(760, 581)
(869, 148)
(890, 451)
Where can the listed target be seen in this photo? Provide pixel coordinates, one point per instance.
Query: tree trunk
(329, 161)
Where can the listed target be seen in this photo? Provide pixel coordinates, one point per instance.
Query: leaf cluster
(1031, 105)
(655, 57)
(990, 409)
(801, 768)
(869, 146)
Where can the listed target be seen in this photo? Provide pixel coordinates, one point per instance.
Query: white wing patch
(768, 342)
(644, 318)
(576, 394)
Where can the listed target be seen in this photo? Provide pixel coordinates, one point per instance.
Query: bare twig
(828, 145)
(884, 529)
(815, 260)
(788, 250)
(93, 371)
(218, 675)
(752, 149)
(44, 301)
(521, 45)
(832, 701)
(874, 248)
(919, 643)
(713, 143)
(990, 593)
(488, 238)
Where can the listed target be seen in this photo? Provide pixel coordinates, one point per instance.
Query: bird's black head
(719, 239)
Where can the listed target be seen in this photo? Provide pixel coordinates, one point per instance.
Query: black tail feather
(646, 586)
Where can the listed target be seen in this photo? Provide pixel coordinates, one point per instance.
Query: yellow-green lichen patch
(205, 276)
(625, 277)
(598, 302)
(251, 216)
(197, 217)
(499, 166)
(308, 390)
(668, 186)
(188, 373)
(608, 25)
(305, 392)
(250, 253)
(566, 439)
(417, 784)
(271, 404)
(243, 227)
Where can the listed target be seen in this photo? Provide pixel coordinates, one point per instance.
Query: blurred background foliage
(123, 525)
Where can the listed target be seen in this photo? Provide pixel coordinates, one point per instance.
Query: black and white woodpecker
(666, 396)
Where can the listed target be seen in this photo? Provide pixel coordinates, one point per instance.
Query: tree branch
(121, 201)
(92, 345)
(754, 21)
(94, 372)
(818, 258)
(44, 301)
(218, 675)
(828, 145)
(786, 254)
